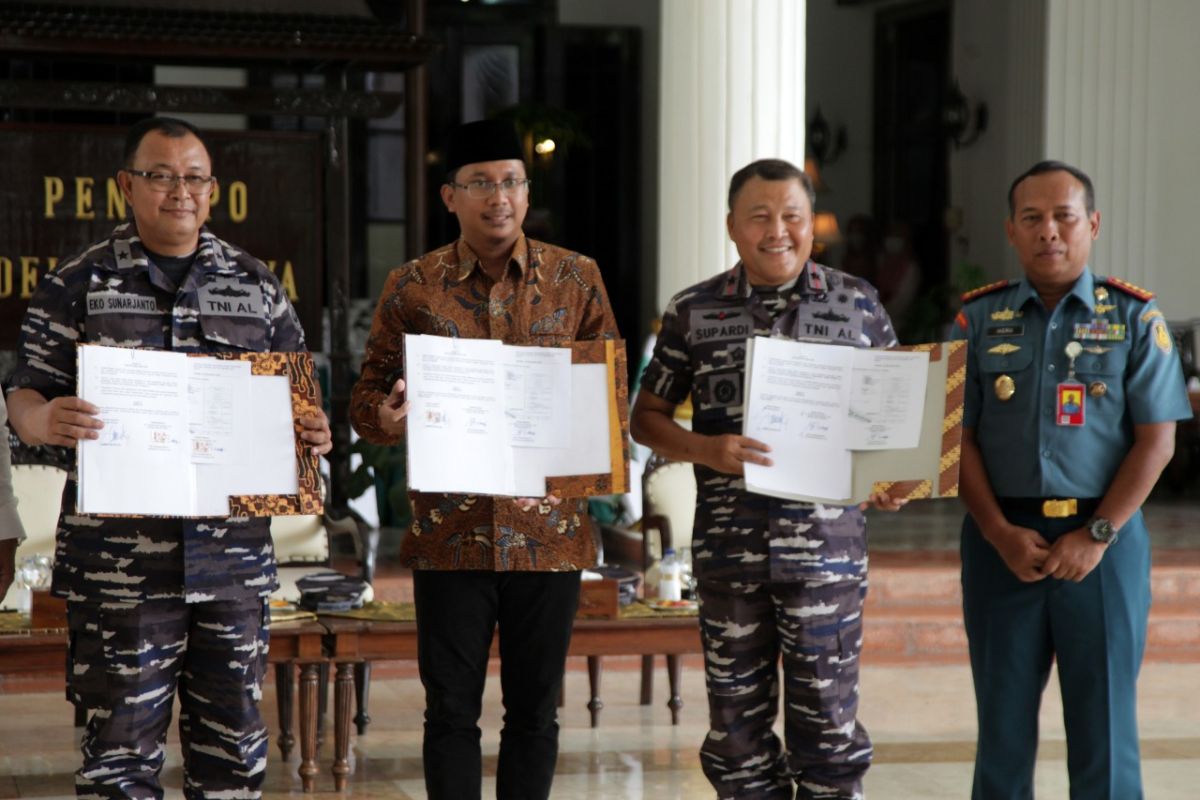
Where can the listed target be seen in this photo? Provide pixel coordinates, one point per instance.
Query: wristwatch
(1102, 530)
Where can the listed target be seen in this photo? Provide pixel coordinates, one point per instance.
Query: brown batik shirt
(548, 297)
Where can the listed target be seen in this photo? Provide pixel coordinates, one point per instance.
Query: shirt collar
(468, 260)
(1084, 289)
(736, 283)
(130, 254)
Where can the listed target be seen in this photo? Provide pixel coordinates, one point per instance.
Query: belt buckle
(1057, 509)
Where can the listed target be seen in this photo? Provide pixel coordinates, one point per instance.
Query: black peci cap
(486, 140)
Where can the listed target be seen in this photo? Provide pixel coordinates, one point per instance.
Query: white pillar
(732, 91)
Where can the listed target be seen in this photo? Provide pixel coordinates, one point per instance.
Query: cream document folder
(489, 418)
(822, 407)
(181, 433)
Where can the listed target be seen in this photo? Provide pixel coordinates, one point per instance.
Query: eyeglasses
(166, 182)
(479, 190)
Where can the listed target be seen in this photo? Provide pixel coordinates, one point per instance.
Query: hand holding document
(489, 418)
(840, 420)
(184, 433)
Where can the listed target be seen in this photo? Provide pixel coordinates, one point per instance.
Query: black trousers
(457, 613)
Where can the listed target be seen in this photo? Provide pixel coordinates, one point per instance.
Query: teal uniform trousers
(1095, 629)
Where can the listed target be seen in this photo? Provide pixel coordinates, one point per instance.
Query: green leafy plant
(930, 313)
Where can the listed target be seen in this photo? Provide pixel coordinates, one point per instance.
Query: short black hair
(167, 126)
(1043, 167)
(770, 169)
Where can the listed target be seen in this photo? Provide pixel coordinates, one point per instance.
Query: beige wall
(1121, 103)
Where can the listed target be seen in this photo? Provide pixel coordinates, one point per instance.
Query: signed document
(887, 397)
(798, 402)
(823, 408)
(182, 433)
(489, 418)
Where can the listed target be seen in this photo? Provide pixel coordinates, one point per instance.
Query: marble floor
(920, 719)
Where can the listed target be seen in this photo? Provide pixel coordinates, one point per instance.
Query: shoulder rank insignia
(1004, 348)
(1130, 289)
(975, 294)
(1005, 315)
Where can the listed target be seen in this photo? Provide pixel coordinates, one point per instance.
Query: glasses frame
(209, 182)
(471, 188)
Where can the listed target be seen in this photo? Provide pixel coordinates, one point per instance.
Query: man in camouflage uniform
(156, 605)
(776, 578)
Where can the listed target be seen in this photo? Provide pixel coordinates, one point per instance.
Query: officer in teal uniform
(1073, 391)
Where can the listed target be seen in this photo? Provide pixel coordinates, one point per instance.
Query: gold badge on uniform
(1162, 337)
(1004, 348)
(1096, 349)
(1151, 314)
(1101, 294)
(1005, 315)
(1005, 387)
(1097, 388)
(1104, 308)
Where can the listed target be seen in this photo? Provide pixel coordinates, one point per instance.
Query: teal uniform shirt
(1128, 365)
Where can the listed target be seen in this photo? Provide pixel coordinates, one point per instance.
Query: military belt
(1051, 507)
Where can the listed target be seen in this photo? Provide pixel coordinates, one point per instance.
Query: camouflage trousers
(816, 630)
(126, 665)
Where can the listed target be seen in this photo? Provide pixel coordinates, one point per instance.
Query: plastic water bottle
(670, 576)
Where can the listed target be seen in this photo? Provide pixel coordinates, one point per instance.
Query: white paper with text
(796, 403)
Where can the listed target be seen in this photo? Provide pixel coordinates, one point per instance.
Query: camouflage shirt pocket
(236, 333)
(125, 319)
(718, 391)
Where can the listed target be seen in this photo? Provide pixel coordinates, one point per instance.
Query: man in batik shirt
(482, 561)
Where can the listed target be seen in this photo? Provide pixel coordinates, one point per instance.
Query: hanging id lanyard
(1071, 393)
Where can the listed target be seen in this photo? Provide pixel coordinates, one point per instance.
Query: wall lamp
(957, 119)
(825, 143)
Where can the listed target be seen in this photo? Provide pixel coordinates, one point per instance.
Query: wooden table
(357, 640)
(298, 644)
(27, 651)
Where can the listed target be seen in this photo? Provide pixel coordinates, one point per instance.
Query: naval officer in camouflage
(776, 578)
(157, 606)
(1073, 390)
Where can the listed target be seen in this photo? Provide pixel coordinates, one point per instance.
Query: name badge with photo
(1070, 400)
(230, 298)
